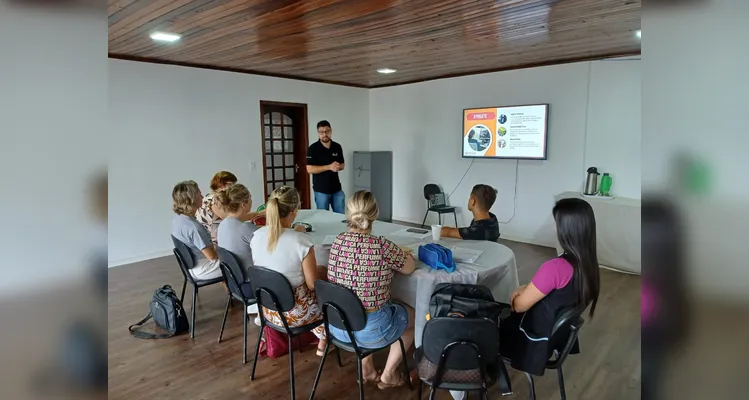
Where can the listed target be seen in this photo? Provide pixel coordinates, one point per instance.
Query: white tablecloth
(495, 268)
(617, 231)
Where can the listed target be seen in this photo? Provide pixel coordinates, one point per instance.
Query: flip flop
(320, 351)
(400, 382)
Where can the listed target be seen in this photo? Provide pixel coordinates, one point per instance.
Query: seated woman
(278, 247)
(233, 233)
(186, 199)
(209, 215)
(366, 264)
(570, 280)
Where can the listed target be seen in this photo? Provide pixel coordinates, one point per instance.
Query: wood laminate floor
(183, 368)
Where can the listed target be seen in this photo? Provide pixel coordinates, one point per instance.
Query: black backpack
(466, 301)
(167, 313)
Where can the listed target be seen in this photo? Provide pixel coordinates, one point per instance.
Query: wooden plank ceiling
(346, 41)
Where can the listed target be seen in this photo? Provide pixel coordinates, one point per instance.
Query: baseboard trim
(145, 257)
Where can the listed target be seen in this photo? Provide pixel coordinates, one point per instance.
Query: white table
(495, 268)
(617, 231)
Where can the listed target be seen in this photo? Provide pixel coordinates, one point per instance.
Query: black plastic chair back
(272, 289)
(341, 300)
(233, 272)
(565, 331)
(481, 334)
(184, 257)
(430, 190)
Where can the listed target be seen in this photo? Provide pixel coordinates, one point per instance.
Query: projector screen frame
(546, 134)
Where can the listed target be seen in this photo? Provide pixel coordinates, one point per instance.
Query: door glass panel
(276, 132)
(269, 174)
(289, 173)
(266, 118)
(289, 159)
(279, 174)
(268, 160)
(267, 146)
(288, 132)
(288, 146)
(277, 160)
(277, 146)
(286, 120)
(276, 118)
(267, 132)
(290, 183)
(270, 188)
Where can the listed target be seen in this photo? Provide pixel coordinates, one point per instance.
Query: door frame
(304, 192)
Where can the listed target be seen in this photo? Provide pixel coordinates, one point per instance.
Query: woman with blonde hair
(366, 264)
(186, 198)
(278, 247)
(234, 234)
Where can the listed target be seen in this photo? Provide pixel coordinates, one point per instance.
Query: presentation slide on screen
(505, 132)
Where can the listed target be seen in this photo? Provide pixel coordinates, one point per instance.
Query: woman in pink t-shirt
(570, 280)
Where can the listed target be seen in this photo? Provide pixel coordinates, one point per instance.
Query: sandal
(320, 352)
(383, 385)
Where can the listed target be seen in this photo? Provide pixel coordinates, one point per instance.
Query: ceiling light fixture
(638, 33)
(165, 37)
(387, 70)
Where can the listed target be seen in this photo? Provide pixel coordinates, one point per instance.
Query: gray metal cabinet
(373, 171)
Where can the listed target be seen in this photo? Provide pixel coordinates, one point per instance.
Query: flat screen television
(512, 132)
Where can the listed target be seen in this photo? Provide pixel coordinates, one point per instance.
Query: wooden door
(285, 143)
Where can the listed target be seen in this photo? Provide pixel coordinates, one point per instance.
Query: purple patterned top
(365, 264)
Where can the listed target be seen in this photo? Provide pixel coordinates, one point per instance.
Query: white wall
(421, 124)
(172, 123)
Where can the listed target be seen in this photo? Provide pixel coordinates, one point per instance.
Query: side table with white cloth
(617, 230)
(495, 268)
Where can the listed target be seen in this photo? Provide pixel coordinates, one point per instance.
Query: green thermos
(605, 185)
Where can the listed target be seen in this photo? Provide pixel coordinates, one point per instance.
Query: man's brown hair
(485, 196)
(222, 178)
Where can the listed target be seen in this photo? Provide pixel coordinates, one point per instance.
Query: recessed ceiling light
(638, 33)
(387, 70)
(165, 37)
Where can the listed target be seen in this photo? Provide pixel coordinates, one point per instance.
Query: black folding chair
(461, 354)
(436, 203)
(343, 309)
(565, 330)
(186, 262)
(239, 288)
(273, 290)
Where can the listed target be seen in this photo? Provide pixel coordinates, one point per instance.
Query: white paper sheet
(463, 255)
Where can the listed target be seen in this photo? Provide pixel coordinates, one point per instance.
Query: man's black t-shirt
(325, 182)
(484, 229)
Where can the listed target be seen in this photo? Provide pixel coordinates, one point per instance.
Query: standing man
(324, 161)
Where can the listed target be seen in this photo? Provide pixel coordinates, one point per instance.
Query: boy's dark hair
(323, 124)
(485, 196)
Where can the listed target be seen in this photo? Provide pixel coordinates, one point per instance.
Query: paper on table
(414, 235)
(329, 240)
(463, 255)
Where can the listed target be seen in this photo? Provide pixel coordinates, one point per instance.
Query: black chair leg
(531, 385)
(561, 383)
(257, 351)
(439, 217)
(291, 369)
(425, 218)
(244, 331)
(361, 378)
(405, 364)
(182, 296)
(431, 393)
(223, 321)
(194, 302)
(420, 392)
(456, 218)
(319, 371)
(338, 354)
